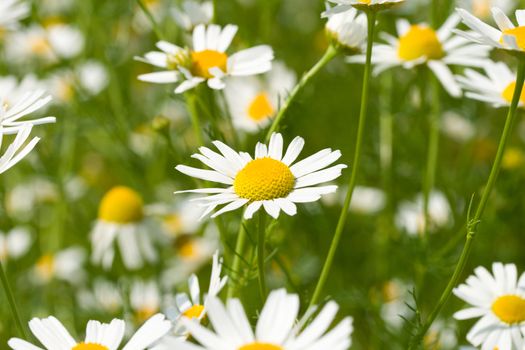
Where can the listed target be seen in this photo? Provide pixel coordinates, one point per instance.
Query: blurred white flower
(193, 13)
(145, 299)
(11, 12)
(481, 8)
(348, 30)
(93, 76)
(12, 90)
(346, 5)
(65, 265)
(104, 296)
(206, 61)
(411, 218)
(395, 307)
(457, 127)
(101, 336)
(253, 102)
(14, 243)
(22, 198)
(366, 200)
(66, 40)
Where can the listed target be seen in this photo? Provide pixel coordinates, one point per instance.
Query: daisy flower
(419, 44)
(12, 90)
(254, 102)
(496, 86)
(348, 30)
(507, 37)
(18, 149)
(206, 61)
(99, 336)
(104, 296)
(14, 243)
(194, 306)
(268, 180)
(121, 221)
(25, 104)
(12, 12)
(193, 13)
(481, 8)
(276, 327)
(64, 265)
(374, 5)
(498, 299)
(145, 299)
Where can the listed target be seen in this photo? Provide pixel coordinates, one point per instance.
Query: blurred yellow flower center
(364, 1)
(264, 179)
(260, 346)
(260, 108)
(508, 93)
(194, 312)
(89, 346)
(420, 41)
(518, 33)
(481, 8)
(513, 158)
(45, 266)
(145, 313)
(204, 60)
(509, 309)
(121, 205)
(40, 46)
(188, 250)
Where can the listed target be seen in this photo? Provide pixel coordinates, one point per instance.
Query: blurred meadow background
(114, 130)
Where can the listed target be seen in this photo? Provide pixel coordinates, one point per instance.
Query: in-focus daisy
(254, 102)
(64, 265)
(14, 243)
(481, 8)
(276, 327)
(18, 149)
(12, 11)
(374, 5)
(195, 306)
(99, 336)
(206, 60)
(498, 299)
(268, 180)
(193, 13)
(121, 222)
(410, 216)
(496, 86)
(507, 37)
(420, 44)
(27, 103)
(348, 30)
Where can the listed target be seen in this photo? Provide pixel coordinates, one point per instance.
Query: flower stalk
(371, 18)
(260, 254)
(11, 301)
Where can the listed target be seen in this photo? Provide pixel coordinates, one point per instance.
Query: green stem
(260, 253)
(151, 19)
(472, 225)
(371, 16)
(432, 155)
(11, 301)
(194, 115)
(236, 265)
(329, 54)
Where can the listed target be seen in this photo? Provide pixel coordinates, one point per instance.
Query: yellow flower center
(510, 309)
(365, 2)
(508, 93)
(173, 224)
(260, 108)
(260, 346)
(194, 312)
(121, 205)
(518, 33)
(188, 250)
(40, 46)
(89, 346)
(45, 266)
(420, 41)
(204, 60)
(145, 313)
(264, 179)
(513, 158)
(481, 8)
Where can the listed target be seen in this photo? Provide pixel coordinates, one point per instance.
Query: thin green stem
(11, 301)
(194, 115)
(236, 265)
(329, 54)
(151, 19)
(472, 224)
(371, 16)
(432, 155)
(260, 253)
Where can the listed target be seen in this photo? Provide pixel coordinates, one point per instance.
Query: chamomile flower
(507, 37)
(18, 149)
(348, 30)
(99, 336)
(254, 102)
(498, 299)
(14, 243)
(12, 90)
(121, 222)
(419, 44)
(195, 306)
(276, 327)
(206, 61)
(64, 265)
(268, 180)
(193, 13)
(374, 5)
(145, 299)
(496, 86)
(27, 103)
(103, 296)
(481, 8)
(12, 11)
